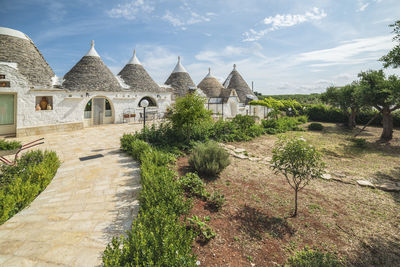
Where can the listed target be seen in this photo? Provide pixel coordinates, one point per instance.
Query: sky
(284, 47)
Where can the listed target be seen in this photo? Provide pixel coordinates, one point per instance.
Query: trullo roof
(137, 77)
(211, 86)
(236, 81)
(16, 47)
(180, 80)
(91, 74)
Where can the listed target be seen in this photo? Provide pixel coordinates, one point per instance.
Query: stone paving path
(87, 203)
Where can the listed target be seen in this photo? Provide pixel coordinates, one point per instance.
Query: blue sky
(283, 46)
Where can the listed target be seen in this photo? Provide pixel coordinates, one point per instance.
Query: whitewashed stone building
(34, 101)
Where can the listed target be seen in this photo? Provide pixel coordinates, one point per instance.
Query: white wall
(68, 107)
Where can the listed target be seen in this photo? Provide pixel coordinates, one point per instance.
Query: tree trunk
(352, 119)
(295, 203)
(387, 122)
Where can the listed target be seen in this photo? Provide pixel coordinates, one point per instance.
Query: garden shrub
(315, 126)
(209, 158)
(201, 228)
(21, 184)
(325, 113)
(302, 119)
(135, 147)
(281, 125)
(241, 128)
(216, 201)
(309, 257)
(193, 185)
(9, 145)
(157, 236)
(243, 121)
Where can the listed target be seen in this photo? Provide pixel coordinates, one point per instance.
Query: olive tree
(346, 98)
(299, 162)
(383, 94)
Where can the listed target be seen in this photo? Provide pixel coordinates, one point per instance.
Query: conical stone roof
(180, 80)
(210, 85)
(236, 81)
(137, 77)
(91, 74)
(16, 47)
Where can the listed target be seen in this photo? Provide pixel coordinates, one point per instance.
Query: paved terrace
(87, 203)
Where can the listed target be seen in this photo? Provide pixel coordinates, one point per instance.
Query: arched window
(88, 110)
(108, 111)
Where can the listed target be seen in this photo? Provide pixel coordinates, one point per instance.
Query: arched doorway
(98, 110)
(152, 102)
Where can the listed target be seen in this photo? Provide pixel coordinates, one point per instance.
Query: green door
(7, 114)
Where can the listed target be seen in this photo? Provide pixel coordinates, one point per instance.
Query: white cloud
(185, 17)
(131, 9)
(281, 21)
(363, 4)
(351, 52)
(175, 21)
(231, 53)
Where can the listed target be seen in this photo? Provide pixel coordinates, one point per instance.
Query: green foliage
(157, 237)
(290, 106)
(135, 147)
(383, 94)
(392, 59)
(315, 126)
(302, 119)
(281, 125)
(298, 161)
(301, 98)
(209, 158)
(216, 201)
(243, 122)
(21, 184)
(193, 185)
(234, 130)
(378, 91)
(346, 98)
(311, 258)
(201, 228)
(9, 145)
(359, 142)
(325, 113)
(187, 113)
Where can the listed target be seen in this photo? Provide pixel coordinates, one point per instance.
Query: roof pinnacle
(92, 52)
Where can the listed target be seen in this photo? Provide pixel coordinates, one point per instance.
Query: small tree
(299, 162)
(188, 112)
(346, 98)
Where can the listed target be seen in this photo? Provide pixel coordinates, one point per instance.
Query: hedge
(21, 184)
(324, 113)
(157, 236)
